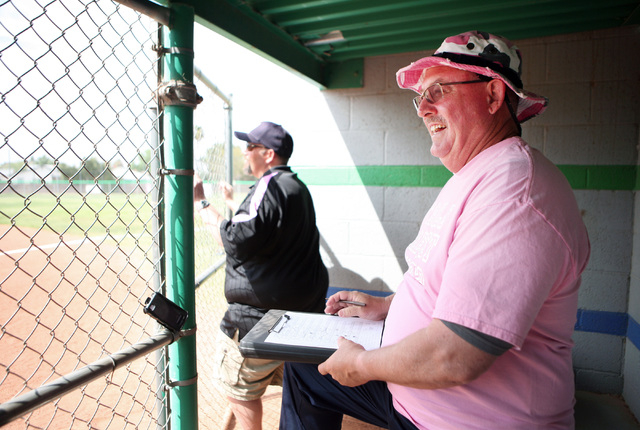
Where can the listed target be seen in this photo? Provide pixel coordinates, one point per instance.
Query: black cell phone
(165, 312)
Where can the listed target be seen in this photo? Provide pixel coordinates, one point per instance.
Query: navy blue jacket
(273, 253)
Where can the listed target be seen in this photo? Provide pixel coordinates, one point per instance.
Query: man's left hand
(341, 364)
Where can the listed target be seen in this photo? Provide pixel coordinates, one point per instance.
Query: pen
(351, 302)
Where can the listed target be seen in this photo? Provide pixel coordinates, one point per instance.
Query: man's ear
(496, 90)
(270, 155)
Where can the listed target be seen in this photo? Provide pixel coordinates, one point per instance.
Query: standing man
(273, 261)
(478, 333)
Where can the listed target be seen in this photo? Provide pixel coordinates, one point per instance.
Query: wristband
(203, 204)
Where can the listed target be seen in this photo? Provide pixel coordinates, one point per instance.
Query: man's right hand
(375, 308)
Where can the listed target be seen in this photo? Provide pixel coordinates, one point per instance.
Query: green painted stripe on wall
(376, 176)
(623, 178)
(601, 177)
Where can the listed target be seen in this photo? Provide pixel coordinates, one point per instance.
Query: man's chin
(439, 150)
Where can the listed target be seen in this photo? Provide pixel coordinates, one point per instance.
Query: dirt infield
(65, 303)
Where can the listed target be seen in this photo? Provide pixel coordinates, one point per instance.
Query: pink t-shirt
(501, 251)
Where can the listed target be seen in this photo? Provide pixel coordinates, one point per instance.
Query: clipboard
(279, 336)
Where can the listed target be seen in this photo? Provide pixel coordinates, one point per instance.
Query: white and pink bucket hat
(484, 54)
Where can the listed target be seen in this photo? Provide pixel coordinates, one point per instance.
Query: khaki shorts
(242, 378)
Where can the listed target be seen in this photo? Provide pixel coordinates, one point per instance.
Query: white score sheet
(322, 331)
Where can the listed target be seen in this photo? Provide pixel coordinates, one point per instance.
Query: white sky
(261, 90)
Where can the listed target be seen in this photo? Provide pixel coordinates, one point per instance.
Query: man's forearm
(212, 219)
(431, 358)
(232, 205)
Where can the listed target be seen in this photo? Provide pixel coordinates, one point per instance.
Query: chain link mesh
(211, 124)
(80, 245)
(79, 193)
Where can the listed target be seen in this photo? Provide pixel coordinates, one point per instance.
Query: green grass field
(95, 214)
(127, 218)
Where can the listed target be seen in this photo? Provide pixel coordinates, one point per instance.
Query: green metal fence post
(177, 69)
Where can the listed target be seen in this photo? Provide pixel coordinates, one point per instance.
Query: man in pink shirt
(478, 333)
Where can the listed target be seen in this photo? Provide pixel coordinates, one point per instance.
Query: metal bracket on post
(172, 50)
(177, 172)
(169, 385)
(188, 332)
(178, 93)
(184, 383)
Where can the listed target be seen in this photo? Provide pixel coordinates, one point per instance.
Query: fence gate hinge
(178, 93)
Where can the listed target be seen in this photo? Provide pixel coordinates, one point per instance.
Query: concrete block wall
(593, 82)
(631, 389)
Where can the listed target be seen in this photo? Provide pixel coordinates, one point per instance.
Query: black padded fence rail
(34, 399)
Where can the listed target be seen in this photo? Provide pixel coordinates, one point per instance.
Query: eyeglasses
(252, 146)
(435, 93)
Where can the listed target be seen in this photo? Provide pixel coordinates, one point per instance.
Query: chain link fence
(211, 122)
(80, 198)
